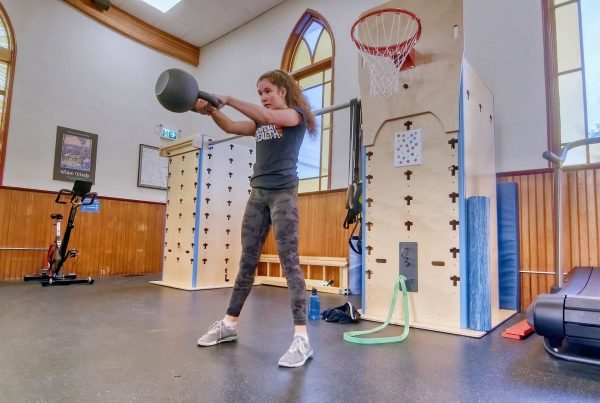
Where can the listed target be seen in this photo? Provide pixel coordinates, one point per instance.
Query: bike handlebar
(75, 200)
(91, 195)
(62, 193)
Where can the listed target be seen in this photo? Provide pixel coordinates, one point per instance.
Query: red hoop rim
(377, 50)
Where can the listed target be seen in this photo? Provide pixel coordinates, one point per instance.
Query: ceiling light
(162, 5)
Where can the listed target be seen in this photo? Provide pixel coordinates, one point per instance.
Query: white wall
(504, 44)
(74, 72)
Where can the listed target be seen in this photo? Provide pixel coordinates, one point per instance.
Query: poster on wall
(75, 155)
(153, 170)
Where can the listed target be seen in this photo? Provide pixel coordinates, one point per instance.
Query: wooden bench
(318, 271)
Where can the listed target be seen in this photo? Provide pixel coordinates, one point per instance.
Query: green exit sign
(169, 134)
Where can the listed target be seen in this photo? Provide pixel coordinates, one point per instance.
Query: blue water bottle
(314, 305)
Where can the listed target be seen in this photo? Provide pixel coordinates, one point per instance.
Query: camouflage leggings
(280, 208)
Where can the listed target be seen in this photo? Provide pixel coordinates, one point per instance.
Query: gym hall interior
(447, 231)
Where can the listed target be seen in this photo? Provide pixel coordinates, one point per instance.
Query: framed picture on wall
(75, 155)
(153, 170)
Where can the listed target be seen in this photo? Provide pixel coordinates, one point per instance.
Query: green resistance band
(352, 337)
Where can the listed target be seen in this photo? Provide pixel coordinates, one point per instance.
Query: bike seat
(56, 216)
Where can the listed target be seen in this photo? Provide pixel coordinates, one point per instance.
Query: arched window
(7, 57)
(308, 56)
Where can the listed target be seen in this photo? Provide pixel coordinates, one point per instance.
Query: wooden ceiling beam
(139, 31)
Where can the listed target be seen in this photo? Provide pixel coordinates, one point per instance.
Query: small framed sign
(153, 170)
(75, 155)
(91, 208)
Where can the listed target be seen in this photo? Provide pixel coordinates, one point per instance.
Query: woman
(279, 126)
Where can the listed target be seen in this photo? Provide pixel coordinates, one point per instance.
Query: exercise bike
(58, 252)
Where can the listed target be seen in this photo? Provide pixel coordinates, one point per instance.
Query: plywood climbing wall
(423, 159)
(208, 189)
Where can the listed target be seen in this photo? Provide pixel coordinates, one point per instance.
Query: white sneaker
(297, 354)
(217, 333)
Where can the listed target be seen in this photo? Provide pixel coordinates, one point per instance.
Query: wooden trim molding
(538, 171)
(316, 192)
(5, 55)
(313, 68)
(53, 192)
(301, 25)
(5, 118)
(139, 31)
(525, 172)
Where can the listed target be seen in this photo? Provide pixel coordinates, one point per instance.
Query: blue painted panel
(509, 259)
(478, 258)
(355, 268)
(197, 219)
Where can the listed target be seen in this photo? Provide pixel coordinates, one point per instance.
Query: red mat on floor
(519, 331)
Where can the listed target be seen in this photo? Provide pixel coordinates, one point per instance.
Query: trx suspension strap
(353, 337)
(354, 193)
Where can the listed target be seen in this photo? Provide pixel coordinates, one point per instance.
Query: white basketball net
(384, 39)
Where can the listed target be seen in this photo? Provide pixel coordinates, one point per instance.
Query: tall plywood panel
(424, 156)
(208, 188)
(413, 203)
(479, 173)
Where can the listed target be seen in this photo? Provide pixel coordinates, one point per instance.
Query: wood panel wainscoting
(321, 232)
(124, 238)
(581, 232)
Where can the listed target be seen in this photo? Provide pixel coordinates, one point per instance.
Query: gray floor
(123, 340)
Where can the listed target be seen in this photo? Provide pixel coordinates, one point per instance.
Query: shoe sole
(223, 340)
(299, 364)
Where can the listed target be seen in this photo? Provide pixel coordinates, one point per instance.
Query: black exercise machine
(571, 314)
(58, 251)
(568, 317)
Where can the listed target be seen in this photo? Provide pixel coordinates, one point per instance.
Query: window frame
(9, 57)
(320, 66)
(555, 142)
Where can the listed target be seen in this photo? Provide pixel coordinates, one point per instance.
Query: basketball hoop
(385, 39)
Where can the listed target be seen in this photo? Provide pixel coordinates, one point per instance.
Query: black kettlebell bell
(177, 91)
